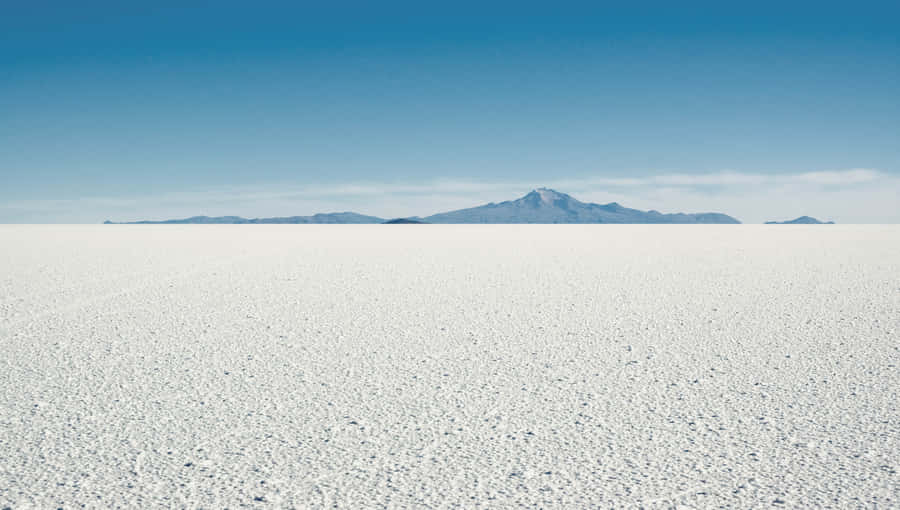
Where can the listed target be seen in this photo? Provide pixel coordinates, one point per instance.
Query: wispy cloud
(854, 195)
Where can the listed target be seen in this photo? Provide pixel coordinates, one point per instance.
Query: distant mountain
(540, 206)
(802, 220)
(404, 221)
(334, 218)
(548, 206)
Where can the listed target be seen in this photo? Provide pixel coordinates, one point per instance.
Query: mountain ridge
(319, 218)
(541, 205)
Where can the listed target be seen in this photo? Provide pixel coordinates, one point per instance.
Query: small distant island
(802, 220)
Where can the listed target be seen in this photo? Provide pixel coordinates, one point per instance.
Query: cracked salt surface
(362, 366)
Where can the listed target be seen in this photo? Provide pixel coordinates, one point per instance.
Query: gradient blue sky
(759, 110)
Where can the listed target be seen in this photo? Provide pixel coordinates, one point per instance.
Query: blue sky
(762, 111)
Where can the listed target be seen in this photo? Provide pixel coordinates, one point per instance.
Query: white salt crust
(439, 366)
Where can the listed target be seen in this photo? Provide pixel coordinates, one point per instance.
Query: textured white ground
(413, 366)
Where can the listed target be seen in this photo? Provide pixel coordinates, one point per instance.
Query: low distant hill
(333, 218)
(548, 206)
(802, 220)
(404, 221)
(540, 206)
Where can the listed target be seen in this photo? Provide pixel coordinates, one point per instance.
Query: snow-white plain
(392, 366)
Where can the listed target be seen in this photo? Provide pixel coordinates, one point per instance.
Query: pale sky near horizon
(763, 111)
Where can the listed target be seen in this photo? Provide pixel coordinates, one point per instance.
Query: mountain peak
(545, 196)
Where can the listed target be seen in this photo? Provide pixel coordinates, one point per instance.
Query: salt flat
(470, 366)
